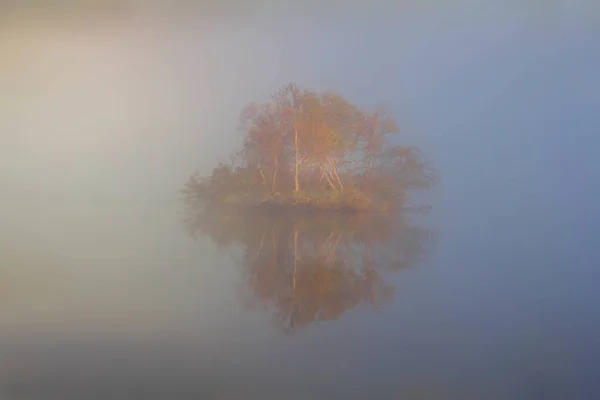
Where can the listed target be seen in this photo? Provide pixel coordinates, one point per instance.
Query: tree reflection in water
(310, 267)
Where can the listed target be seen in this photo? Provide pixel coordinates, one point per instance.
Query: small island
(312, 208)
(307, 152)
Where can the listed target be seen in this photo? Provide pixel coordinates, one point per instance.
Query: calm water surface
(492, 294)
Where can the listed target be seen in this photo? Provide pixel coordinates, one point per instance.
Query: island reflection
(315, 266)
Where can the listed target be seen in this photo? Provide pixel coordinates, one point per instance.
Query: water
(105, 294)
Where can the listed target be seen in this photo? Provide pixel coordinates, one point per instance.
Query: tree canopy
(303, 147)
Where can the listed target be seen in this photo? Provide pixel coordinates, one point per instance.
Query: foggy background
(105, 114)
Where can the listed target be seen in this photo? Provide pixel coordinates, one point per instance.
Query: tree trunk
(264, 180)
(326, 176)
(335, 174)
(275, 167)
(296, 180)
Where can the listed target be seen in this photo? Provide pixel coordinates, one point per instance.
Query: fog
(103, 119)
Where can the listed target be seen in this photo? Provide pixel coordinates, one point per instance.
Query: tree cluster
(304, 147)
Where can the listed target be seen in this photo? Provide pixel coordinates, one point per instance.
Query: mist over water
(103, 292)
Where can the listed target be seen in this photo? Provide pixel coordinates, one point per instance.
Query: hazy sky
(133, 104)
